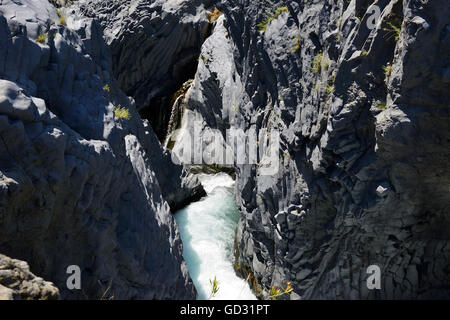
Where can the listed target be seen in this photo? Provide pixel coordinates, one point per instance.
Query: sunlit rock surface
(363, 118)
(362, 114)
(18, 283)
(78, 185)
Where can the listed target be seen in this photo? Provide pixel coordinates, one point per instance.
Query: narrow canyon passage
(207, 229)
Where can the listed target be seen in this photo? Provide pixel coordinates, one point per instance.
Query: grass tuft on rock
(42, 38)
(317, 63)
(262, 26)
(122, 113)
(61, 17)
(387, 69)
(214, 15)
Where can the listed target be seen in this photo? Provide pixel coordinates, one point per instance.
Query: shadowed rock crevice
(363, 133)
(81, 184)
(362, 113)
(155, 49)
(161, 108)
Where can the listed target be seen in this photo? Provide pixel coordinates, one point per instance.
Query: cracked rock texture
(363, 117)
(78, 185)
(18, 283)
(362, 113)
(155, 45)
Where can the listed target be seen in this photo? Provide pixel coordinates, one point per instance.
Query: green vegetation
(280, 10)
(276, 292)
(395, 26)
(330, 89)
(381, 105)
(205, 59)
(214, 15)
(214, 287)
(317, 87)
(296, 47)
(387, 72)
(62, 18)
(122, 113)
(42, 38)
(317, 63)
(262, 26)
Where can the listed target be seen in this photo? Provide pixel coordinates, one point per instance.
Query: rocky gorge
(92, 94)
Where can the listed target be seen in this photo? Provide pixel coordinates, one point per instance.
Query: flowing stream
(207, 229)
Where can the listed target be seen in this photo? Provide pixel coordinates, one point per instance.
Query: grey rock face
(364, 121)
(61, 3)
(78, 184)
(18, 283)
(362, 113)
(155, 45)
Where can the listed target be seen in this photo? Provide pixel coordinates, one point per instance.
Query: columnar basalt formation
(155, 46)
(358, 91)
(362, 111)
(79, 179)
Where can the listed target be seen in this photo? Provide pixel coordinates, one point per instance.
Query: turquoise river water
(207, 229)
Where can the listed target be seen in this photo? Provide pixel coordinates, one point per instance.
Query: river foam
(207, 229)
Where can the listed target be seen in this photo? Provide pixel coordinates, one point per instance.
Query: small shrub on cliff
(280, 10)
(387, 72)
(381, 105)
(62, 18)
(296, 47)
(316, 87)
(214, 287)
(395, 25)
(122, 113)
(394, 29)
(214, 15)
(317, 63)
(42, 38)
(262, 26)
(330, 89)
(276, 292)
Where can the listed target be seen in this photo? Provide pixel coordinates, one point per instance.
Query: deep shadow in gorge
(159, 110)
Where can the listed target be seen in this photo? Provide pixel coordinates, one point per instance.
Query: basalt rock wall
(360, 102)
(80, 171)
